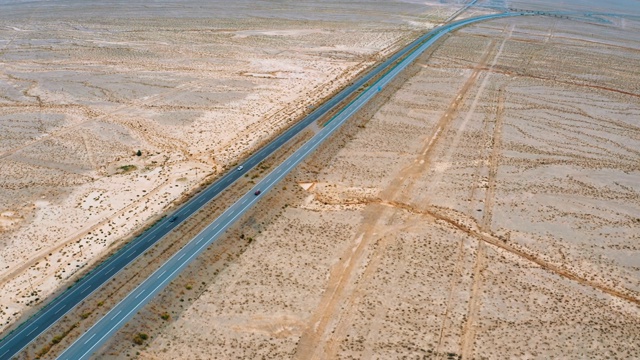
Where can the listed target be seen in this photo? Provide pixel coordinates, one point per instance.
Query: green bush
(140, 338)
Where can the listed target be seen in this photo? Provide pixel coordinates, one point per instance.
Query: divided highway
(100, 332)
(22, 336)
(15, 341)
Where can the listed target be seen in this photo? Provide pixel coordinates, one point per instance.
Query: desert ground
(485, 206)
(193, 86)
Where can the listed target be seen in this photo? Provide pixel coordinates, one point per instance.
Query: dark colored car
(173, 218)
(257, 192)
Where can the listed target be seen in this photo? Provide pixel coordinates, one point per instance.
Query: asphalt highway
(100, 332)
(22, 336)
(58, 307)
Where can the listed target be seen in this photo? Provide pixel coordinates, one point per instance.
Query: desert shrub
(140, 338)
(127, 168)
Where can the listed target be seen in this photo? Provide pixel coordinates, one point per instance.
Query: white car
(240, 167)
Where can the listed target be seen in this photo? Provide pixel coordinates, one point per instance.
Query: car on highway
(240, 167)
(257, 193)
(173, 218)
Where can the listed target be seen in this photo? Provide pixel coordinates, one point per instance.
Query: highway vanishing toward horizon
(120, 314)
(37, 324)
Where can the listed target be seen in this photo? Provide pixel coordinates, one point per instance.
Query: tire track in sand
(470, 326)
(469, 329)
(313, 342)
(446, 322)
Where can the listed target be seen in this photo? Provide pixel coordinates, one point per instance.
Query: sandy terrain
(486, 206)
(194, 87)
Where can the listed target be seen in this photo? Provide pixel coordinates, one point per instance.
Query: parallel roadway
(100, 332)
(28, 331)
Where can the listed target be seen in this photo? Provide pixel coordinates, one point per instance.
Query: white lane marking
(243, 201)
(90, 338)
(140, 293)
(197, 242)
(34, 329)
(159, 276)
(59, 309)
(114, 316)
(130, 251)
(111, 268)
(4, 353)
(181, 256)
(85, 289)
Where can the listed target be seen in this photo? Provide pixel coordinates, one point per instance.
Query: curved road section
(99, 333)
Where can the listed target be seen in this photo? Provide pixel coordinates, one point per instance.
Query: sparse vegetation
(56, 340)
(140, 338)
(127, 168)
(402, 263)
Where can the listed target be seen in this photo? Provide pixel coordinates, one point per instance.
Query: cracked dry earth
(487, 207)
